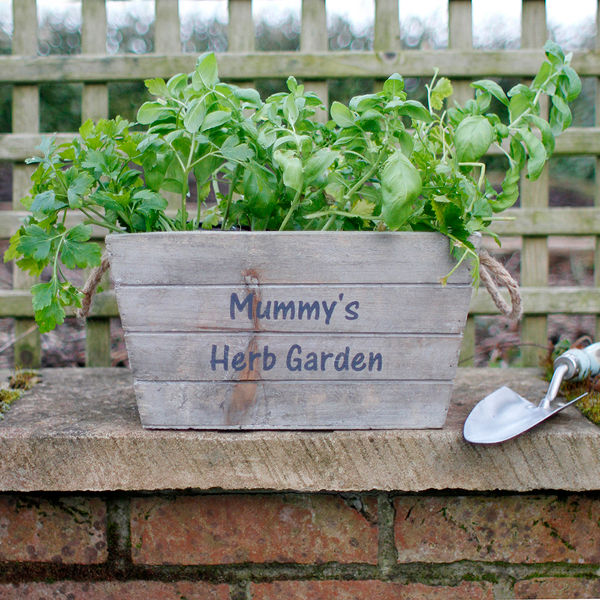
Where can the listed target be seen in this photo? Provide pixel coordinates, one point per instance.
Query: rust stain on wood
(243, 393)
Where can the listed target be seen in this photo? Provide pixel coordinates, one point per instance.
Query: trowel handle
(580, 362)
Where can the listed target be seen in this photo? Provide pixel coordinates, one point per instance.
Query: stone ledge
(78, 430)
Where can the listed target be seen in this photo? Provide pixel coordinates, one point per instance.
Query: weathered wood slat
(597, 181)
(25, 119)
(291, 357)
(370, 309)
(387, 26)
(17, 303)
(298, 405)
(566, 300)
(316, 65)
(313, 38)
(167, 34)
(534, 194)
(94, 105)
(310, 257)
(94, 99)
(542, 301)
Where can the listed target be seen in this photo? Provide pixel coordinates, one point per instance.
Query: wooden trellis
(314, 64)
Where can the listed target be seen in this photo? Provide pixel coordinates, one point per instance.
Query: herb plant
(383, 162)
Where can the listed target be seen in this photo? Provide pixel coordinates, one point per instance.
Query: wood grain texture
(232, 327)
(557, 299)
(25, 117)
(534, 195)
(291, 357)
(315, 65)
(370, 309)
(298, 405)
(257, 258)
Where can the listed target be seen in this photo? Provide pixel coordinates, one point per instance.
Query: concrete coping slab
(78, 430)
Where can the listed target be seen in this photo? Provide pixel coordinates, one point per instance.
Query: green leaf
(43, 294)
(149, 201)
(394, 85)
(570, 83)
(157, 87)
(406, 142)
(87, 130)
(50, 316)
(441, 91)
(548, 139)
(237, 152)
(150, 112)
(215, 119)
(291, 166)
(76, 251)
(473, 137)
(537, 154)
(560, 115)
(318, 163)
(35, 242)
(292, 84)
(554, 53)
(542, 78)
(260, 190)
(400, 187)
(177, 83)
(492, 88)
(363, 208)
(46, 203)
(290, 110)
(194, 116)
(416, 111)
(341, 115)
(78, 188)
(207, 69)
(249, 96)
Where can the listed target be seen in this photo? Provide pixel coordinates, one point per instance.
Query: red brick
(115, 590)
(518, 529)
(558, 587)
(285, 528)
(368, 590)
(68, 530)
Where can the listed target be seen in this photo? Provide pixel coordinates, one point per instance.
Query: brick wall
(299, 546)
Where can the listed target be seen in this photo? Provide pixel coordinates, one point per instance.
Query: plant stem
(329, 222)
(230, 195)
(102, 223)
(292, 209)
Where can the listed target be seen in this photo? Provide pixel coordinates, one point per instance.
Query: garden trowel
(505, 414)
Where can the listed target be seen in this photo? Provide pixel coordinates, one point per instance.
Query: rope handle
(493, 274)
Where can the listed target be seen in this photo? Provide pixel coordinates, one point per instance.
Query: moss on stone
(589, 405)
(7, 397)
(23, 380)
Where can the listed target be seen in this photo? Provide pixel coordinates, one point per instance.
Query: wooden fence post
(534, 194)
(460, 37)
(94, 105)
(25, 119)
(313, 38)
(597, 191)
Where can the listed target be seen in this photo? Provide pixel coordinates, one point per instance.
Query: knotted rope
(492, 274)
(89, 289)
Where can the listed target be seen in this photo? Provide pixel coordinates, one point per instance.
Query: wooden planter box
(285, 330)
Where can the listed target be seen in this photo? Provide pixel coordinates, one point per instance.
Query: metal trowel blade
(503, 415)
